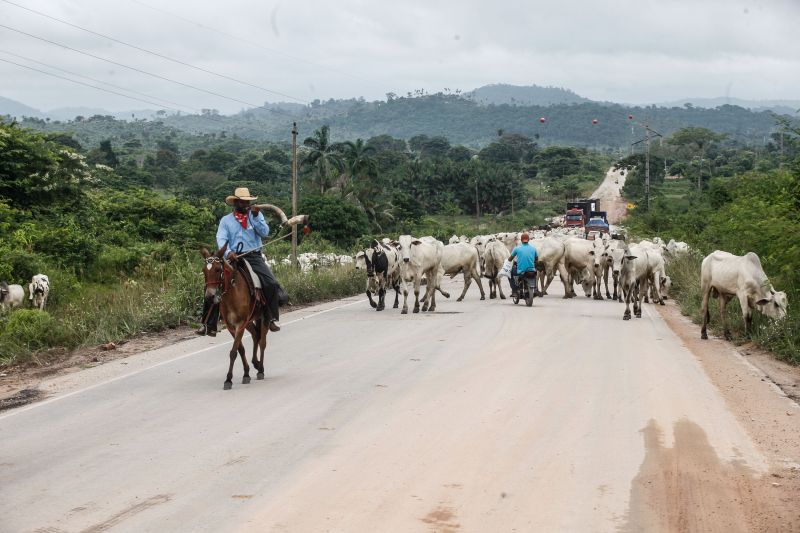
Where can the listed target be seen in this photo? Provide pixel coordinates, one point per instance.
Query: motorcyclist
(525, 256)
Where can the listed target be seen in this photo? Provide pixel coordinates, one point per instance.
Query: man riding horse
(242, 231)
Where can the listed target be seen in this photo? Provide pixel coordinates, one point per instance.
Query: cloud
(634, 51)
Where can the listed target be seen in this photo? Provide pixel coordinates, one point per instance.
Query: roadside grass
(157, 297)
(780, 337)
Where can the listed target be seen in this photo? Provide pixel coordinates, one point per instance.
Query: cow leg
(371, 301)
(396, 296)
(405, 298)
(417, 283)
(723, 303)
(747, 313)
(627, 314)
(500, 288)
(477, 278)
(704, 312)
(432, 307)
(467, 283)
(381, 296)
(605, 280)
(598, 287)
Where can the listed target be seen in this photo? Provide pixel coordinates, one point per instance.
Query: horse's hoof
(245, 380)
(483, 297)
(446, 294)
(260, 375)
(432, 309)
(459, 299)
(373, 304)
(662, 303)
(404, 312)
(502, 297)
(424, 308)
(416, 309)
(638, 315)
(492, 296)
(626, 317)
(227, 386)
(704, 336)
(395, 306)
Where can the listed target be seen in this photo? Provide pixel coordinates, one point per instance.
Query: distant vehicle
(579, 212)
(598, 224)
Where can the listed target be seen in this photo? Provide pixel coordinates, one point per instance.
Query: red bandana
(241, 217)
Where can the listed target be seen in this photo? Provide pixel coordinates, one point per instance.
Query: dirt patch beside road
(760, 391)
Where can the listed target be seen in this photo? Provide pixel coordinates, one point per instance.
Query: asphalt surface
(482, 416)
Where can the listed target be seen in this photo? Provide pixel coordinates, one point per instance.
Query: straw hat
(241, 193)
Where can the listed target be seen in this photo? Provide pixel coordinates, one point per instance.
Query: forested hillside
(461, 120)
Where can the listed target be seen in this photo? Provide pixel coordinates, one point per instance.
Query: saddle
(253, 282)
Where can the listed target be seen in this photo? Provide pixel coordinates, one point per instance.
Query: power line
(86, 84)
(151, 52)
(246, 41)
(97, 81)
(277, 111)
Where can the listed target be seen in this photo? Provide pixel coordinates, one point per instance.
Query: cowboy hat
(241, 193)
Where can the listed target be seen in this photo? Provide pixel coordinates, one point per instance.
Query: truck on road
(579, 212)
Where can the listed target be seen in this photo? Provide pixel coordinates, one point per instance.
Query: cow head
(3, 291)
(404, 246)
(774, 304)
(666, 284)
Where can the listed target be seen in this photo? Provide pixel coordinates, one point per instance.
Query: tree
(335, 219)
(322, 156)
(104, 155)
(692, 143)
(358, 163)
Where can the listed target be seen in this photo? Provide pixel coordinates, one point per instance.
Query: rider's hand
(232, 256)
(255, 210)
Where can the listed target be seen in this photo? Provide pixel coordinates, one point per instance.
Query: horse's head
(213, 271)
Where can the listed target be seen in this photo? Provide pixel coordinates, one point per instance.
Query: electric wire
(156, 54)
(247, 41)
(170, 102)
(158, 76)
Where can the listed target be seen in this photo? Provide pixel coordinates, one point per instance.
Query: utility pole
(477, 204)
(648, 131)
(294, 192)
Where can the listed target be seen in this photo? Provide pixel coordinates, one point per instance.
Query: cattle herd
(12, 296)
(637, 270)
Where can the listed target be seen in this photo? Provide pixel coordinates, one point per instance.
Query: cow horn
(298, 219)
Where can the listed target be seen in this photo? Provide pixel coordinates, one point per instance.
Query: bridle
(210, 261)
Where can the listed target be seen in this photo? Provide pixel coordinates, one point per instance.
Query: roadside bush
(25, 331)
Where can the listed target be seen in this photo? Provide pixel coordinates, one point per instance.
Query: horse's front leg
(237, 341)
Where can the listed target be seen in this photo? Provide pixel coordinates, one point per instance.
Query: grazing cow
(635, 269)
(420, 257)
(494, 256)
(39, 290)
(677, 248)
(461, 257)
(549, 259)
(651, 288)
(578, 258)
(666, 285)
(725, 275)
(382, 263)
(11, 296)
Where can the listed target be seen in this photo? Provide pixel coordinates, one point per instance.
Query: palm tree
(358, 163)
(322, 156)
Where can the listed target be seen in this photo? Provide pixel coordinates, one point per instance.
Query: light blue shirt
(232, 233)
(526, 257)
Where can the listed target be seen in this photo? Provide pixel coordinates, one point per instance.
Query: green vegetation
(117, 222)
(746, 202)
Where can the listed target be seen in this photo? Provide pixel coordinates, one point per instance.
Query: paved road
(483, 416)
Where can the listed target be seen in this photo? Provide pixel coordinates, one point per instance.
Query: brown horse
(239, 308)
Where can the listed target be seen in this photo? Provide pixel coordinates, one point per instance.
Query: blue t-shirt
(526, 257)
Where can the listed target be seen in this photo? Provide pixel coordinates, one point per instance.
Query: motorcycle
(526, 288)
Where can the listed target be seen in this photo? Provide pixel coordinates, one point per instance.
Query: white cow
(39, 290)
(635, 270)
(651, 288)
(510, 240)
(725, 275)
(461, 257)
(677, 248)
(494, 256)
(11, 296)
(420, 257)
(614, 255)
(549, 259)
(579, 263)
(453, 240)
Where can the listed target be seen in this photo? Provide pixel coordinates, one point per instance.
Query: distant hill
(787, 107)
(524, 95)
(17, 109)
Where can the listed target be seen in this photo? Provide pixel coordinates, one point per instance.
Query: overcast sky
(617, 50)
